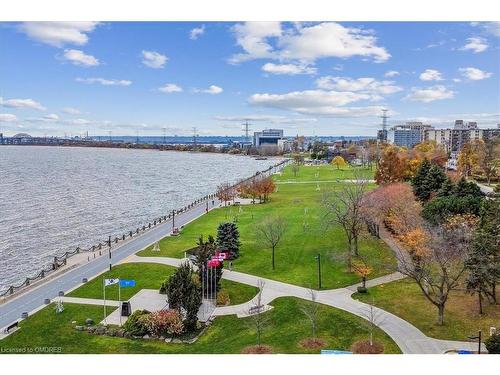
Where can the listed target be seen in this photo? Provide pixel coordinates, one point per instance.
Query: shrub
(136, 323)
(364, 347)
(165, 322)
(493, 344)
(223, 298)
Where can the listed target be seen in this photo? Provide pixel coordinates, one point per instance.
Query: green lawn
(286, 327)
(404, 299)
(295, 256)
(325, 172)
(150, 276)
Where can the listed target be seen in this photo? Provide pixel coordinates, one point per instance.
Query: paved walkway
(408, 337)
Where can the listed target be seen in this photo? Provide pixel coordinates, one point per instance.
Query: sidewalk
(408, 337)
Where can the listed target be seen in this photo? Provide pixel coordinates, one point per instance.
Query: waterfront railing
(59, 261)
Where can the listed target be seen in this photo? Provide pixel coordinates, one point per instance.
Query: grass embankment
(150, 276)
(404, 299)
(286, 327)
(299, 203)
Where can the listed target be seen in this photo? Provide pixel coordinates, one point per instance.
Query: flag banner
(127, 283)
(108, 282)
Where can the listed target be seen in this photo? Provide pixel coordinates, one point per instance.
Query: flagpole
(120, 300)
(104, 293)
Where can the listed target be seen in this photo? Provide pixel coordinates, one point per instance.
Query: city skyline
(323, 78)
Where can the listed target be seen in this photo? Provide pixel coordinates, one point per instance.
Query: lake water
(53, 199)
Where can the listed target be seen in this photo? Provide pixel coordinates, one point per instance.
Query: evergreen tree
(183, 294)
(419, 181)
(464, 189)
(435, 179)
(447, 188)
(228, 239)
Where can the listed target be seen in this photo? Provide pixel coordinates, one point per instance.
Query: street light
(318, 258)
(109, 250)
(478, 337)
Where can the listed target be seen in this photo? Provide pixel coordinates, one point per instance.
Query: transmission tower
(246, 129)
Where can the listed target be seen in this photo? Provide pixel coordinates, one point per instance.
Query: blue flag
(127, 283)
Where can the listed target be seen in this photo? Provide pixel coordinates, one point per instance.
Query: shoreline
(76, 258)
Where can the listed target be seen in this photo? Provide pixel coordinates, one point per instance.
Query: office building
(267, 137)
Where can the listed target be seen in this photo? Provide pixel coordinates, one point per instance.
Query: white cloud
(474, 74)
(475, 45)
(154, 59)
(391, 73)
(51, 117)
(105, 82)
(197, 32)
(305, 43)
(58, 34)
(429, 94)
(317, 102)
(288, 69)
(213, 90)
(22, 103)
(77, 57)
(431, 75)
(267, 118)
(71, 111)
(253, 38)
(169, 88)
(492, 28)
(7, 117)
(365, 85)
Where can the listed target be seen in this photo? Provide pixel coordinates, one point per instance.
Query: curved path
(408, 337)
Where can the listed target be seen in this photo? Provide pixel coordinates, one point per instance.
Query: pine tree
(419, 181)
(228, 239)
(465, 188)
(435, 179)
(446, 189)
(182, 293)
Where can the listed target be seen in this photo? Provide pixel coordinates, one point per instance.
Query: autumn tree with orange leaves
(434, 257)
(394, 207)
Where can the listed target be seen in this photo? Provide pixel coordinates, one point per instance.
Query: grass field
(325, 172)
(228, 334)
(295, 257)
(150, 276)
(404, 299)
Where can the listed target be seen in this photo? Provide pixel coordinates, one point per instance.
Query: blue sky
(322, 78)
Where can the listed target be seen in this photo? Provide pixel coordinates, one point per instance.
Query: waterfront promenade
(33, 299)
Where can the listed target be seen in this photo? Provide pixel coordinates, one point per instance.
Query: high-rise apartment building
(407, 135)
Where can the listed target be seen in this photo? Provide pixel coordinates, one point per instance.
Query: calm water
(55, 199)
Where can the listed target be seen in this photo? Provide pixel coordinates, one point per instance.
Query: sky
(312, 78)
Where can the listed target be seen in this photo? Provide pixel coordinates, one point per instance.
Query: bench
(256, 309)
(12, 326)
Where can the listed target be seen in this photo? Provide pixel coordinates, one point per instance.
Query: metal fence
(61, 260)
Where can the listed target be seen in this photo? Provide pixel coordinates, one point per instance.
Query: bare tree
(258, 320)
(271, 230)
(373, 317)
(434, 257)
(310, 310)
(295, 169)
(344, 207)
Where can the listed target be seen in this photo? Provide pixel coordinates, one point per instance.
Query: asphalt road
(30, 300)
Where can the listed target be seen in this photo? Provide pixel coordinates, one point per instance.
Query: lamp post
(478, 337)
(318, 258)
(109, 251)
(173, 220)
